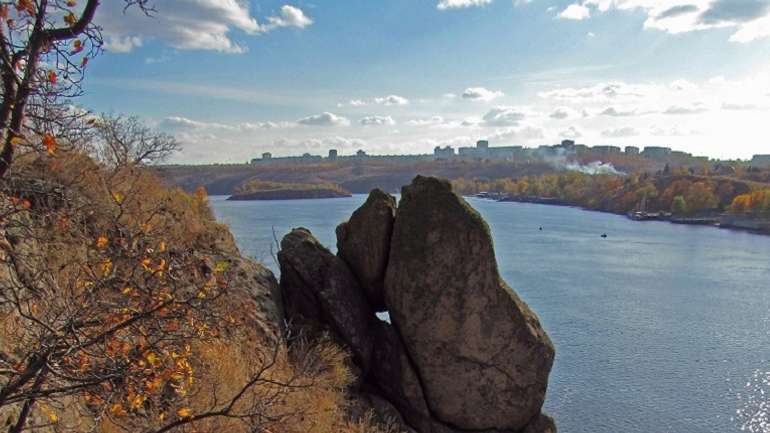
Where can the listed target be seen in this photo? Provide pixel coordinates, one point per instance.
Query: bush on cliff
(125, 306)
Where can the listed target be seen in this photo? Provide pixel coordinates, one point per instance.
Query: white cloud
(435, 120)
(391, 100)
(290, 16)
(503, 116)
(458, 4)
(190, 24)
(620, 132)
(318, 145)
(561, 113)
(576, 12)
(524, 133)
(686, 109)
(614, 112)
(749, 18)
(125, 44)
(740, 107)
(481, 94)
(572, 133)
(382, 100)
(182, 123)
(324, 119)
(377, 121)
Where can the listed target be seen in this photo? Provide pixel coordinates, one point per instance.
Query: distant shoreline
(716, 221)
(289, 194)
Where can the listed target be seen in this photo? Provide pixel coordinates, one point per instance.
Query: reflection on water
(657, 327)
(753, 414)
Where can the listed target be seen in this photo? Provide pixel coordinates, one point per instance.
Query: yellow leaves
(51, 76)
(18, 140)
(162, 246)
(184, 412)
(118, 410)
(107, 267)
(221, 267)
(70, 19)
(118, 197)
(102, 242)
(135, 401)
(52, 416)
(152, 359)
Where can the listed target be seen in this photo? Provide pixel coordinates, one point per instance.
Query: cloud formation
(377, 121)
(620, 132)
(503, 116)
(190, 24)
(481, 94)
(389, 100)
(575, 12)
(324, 119)
(749, 18)
(459, 4)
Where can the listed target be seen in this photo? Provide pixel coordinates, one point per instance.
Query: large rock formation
(319, 291)
(475, 343)
(364, 243)
(464, 353)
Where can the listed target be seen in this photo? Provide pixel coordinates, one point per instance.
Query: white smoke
(593, 168)
(560, 161)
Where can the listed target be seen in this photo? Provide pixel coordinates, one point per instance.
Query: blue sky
(232, 79)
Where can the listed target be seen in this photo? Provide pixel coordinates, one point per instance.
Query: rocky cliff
(463, 353)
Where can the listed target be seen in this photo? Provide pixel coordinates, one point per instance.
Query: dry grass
(299, 390)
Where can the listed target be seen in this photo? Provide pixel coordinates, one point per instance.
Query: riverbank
(290, 194)
(720, 220)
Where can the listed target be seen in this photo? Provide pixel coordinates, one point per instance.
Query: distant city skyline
(232, 79)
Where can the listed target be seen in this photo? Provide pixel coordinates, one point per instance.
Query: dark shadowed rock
(363, 242)
(541, 424)
(320, 292)
(481, 355)
(394, 377)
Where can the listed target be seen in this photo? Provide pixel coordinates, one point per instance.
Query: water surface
(658, 328)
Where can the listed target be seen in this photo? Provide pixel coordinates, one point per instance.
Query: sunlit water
(658, 328)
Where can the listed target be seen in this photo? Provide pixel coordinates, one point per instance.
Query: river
(658, 327)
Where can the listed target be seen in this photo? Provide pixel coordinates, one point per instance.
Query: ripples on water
(658, 328)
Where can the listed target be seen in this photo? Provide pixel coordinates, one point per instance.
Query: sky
(232, 79)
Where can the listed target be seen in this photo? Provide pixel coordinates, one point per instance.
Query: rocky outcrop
(364, 243)
(463, 353)
(465, 329)
(320, 293)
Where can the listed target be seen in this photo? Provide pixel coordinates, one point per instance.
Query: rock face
(481, 353)
(464, 353)
(319, 291)
(363, 242)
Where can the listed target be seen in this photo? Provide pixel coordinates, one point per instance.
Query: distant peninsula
(256, 189)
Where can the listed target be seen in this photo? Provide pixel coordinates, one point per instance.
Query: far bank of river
(719, 220)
